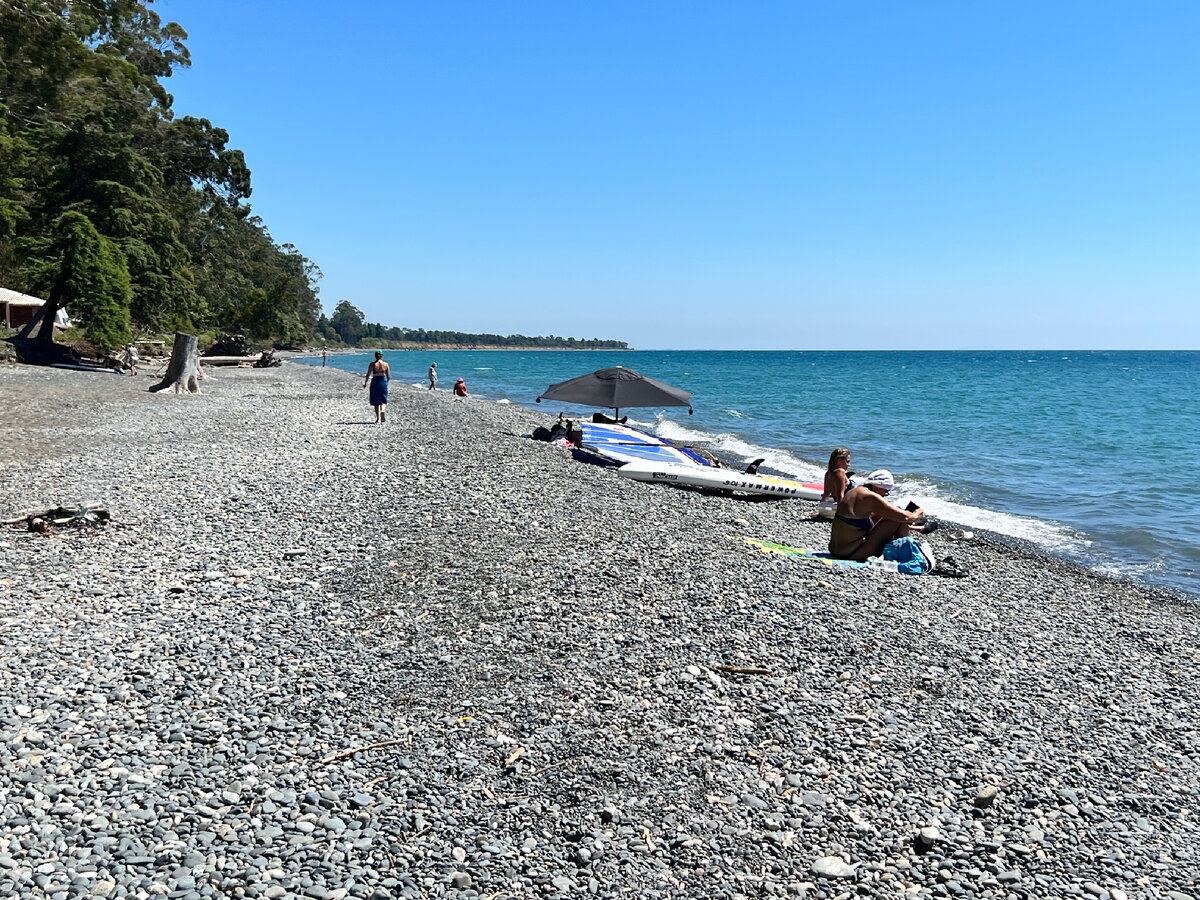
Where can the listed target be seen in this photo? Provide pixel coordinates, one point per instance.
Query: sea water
(1093, 456)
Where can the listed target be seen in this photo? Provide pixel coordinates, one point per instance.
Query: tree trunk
(182, 369)
(41, 327)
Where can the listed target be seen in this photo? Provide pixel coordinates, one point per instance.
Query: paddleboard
(622, 454)
(616, 445)
(802, 553)
(598, 433)
(721, 479)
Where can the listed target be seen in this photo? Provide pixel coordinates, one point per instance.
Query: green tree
(86, 273)
(86, 125)
(349, 322)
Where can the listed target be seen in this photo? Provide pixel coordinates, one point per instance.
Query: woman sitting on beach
(865, 521)
(460, 388)
(378, 375)
(837, 482)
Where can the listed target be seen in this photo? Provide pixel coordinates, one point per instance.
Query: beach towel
(802, 553)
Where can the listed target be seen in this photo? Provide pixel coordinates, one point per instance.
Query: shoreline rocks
(312, 657)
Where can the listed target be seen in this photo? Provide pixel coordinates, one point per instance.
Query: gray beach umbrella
(616, 387)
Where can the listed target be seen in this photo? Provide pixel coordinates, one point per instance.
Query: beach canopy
(616, 387)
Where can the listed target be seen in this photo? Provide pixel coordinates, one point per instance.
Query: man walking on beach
(433, 376)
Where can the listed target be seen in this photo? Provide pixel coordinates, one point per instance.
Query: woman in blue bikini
(865, 521)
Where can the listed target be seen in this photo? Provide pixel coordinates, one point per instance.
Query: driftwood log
(76, 517)
(35, 343)
(228, 360)
(183, 367)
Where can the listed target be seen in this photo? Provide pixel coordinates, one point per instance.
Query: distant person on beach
(324, 357)
(460, 388)
(865, 521)
(379, 374)
(132, 355)
(837, 482)
(432, 376)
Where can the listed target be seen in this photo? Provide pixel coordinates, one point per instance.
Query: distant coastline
(414, 345)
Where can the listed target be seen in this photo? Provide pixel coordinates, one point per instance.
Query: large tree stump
(183, 367)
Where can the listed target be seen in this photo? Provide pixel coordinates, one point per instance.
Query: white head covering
(881, 478)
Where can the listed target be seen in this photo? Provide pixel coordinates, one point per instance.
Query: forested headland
(137, 220)
(348, 326)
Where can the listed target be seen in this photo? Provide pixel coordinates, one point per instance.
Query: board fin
(752, 469)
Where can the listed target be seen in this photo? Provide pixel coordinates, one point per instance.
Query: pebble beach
(310, 657)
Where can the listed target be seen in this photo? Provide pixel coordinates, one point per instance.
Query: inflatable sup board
(597, 433)
(616, 445)
(722, 479)
(650, 454)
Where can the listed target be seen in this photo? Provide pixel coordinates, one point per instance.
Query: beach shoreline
(405, 346)
(543, 660)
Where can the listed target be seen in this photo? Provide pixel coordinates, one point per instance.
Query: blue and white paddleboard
(616, 445)
(595, 433)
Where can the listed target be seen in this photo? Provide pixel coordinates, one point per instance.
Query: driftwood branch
(77, 517)
(342, 754)
(743, 670)
(537, 772)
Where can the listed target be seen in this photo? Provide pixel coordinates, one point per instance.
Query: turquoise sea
(1093, 456)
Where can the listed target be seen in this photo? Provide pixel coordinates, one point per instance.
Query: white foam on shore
(504, 400)
(780, 460)
(1133, 570)
(1050, 536)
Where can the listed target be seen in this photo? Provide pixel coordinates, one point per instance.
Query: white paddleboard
(722, 479)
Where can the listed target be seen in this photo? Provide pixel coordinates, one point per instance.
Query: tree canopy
(349, 326)
(87, 129)
(133, 217)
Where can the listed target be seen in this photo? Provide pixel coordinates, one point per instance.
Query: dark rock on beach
(314, 657)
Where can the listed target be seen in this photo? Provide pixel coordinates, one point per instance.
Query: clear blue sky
(703, 175)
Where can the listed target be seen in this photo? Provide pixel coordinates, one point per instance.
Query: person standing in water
(379, 374)
(432, 376)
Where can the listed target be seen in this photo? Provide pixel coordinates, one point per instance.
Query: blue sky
(698, 175)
